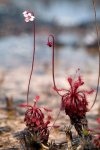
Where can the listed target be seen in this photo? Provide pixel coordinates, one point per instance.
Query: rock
(5, 129)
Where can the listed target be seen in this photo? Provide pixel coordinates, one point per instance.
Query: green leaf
(85, 132)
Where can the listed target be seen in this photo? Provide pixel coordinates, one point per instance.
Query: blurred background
(72, 23)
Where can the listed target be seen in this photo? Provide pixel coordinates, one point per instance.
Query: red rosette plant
(36, 122)
(75, 103)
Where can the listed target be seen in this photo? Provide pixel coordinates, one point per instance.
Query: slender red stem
(53, 57)
(97, 32)
(28, 89)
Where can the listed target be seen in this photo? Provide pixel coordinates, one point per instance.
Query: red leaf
(24, 105)
(33, 120)
(89, 92)
(47, 110)
(37, 98)
(45, 124)
(49, 117)
(80, 80)
(70, 80)
(37, 122)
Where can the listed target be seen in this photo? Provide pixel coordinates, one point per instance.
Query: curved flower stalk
(29, 16)
(36, 122)
(50, 43)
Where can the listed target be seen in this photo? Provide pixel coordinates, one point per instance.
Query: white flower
(28, 16)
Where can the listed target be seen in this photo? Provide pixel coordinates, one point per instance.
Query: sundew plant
(74, 100)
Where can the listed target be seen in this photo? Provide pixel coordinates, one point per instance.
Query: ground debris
(5, 129)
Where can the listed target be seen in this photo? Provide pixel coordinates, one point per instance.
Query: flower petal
(29, 14)
(32, 18)
(26, 15)
(26, 19)
(25, 12)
